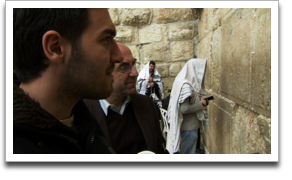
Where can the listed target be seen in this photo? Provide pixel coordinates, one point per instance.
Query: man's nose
(133, 72)
(116, 54)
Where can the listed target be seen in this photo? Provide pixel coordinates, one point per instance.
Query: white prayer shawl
(192, 74)
(143, 82)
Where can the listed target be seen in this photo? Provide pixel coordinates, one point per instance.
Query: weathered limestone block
(136, 16)
(203, 24)
(174, 69)
(182, 50)
(217, 133)
(237, 47)
(222, 102)
(214, 64)
(166, 15)
(203, 52)
(188, 14)
(168, 82)
(250, 133)
(262, 61)
(239, 134)
(138, 67)
(214, 17)
(158, 52)
(135, 52)
(219, 130)
(264, 131)
(114, 14)
(153, 33)
(226, 12)
(182, 30)
(162, 69)
(127, 34)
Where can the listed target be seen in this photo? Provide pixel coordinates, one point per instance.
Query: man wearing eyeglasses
(128, 120)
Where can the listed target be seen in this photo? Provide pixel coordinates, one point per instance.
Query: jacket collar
(28, 112)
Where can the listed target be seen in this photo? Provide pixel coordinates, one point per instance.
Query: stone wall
(166, 36)
(237, 46)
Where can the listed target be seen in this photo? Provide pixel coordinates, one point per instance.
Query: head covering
(143, 80)
(191, 74)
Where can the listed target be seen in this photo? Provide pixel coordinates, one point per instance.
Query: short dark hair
(29, 26)
(152, 62)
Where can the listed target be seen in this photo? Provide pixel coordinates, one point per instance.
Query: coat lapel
(143, 120)
(96, 110)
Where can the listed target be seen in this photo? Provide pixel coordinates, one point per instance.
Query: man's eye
(122, 68)
(107, 39)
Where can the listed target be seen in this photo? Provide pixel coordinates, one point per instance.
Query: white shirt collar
(105, 105)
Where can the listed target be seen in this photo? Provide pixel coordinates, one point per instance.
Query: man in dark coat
(128, 120)
(58, 53)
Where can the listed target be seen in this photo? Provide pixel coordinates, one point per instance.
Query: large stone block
(215, 21)
(183, 30)
(114, 14)
(188, 14)
(168, 82)
(174, 69)
(166, 15)
(237, 47)
(136, 16)
(211, 19)
(225, 13)
(261, 93)
(135, 52)
(182, 50)
(222, 102)
(203, 52)
(264, 125)
(153, 33)
(219, 130)
(127, 34)
(204, 24)
(250, 133)
(214, 64)
(162, 69)
(158, 52)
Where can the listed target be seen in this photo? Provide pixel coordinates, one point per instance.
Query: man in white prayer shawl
(150, 83)
(186, 107)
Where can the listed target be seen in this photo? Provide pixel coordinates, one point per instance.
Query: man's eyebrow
(109, 31)
(124, 63)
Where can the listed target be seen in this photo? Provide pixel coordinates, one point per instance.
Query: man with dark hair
(58, 53)
(151, 84)
(129, 120)
(151, 68)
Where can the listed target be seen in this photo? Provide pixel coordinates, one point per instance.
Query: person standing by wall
(186, 107)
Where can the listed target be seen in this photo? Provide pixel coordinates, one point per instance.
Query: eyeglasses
(125, 67)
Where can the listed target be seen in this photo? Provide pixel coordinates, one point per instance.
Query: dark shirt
(125, 132)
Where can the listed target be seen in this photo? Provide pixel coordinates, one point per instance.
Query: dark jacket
(35, 131)
(146, 116)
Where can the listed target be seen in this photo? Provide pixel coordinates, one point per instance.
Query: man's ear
(54, 46)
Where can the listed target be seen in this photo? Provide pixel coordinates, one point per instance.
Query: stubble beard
(80, 80)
